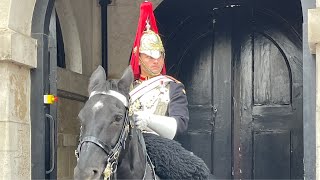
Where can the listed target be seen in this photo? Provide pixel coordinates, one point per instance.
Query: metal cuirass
(154, 101)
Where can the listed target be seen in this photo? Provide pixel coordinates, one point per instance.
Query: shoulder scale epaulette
(172, 78)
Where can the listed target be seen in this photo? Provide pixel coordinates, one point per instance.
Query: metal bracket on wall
(112, 3)
(107, 2)
(214, 115)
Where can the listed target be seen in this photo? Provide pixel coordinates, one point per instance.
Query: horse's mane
(112, 84)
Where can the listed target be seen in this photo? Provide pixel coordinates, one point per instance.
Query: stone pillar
(314, 43)
(17, 56)
(318, 109)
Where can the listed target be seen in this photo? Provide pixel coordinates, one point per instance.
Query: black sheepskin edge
(172, 161)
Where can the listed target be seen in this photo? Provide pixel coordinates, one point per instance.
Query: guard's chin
(156, 72)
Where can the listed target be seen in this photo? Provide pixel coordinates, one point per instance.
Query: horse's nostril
(95, 172)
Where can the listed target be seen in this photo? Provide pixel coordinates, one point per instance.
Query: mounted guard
(159, 104)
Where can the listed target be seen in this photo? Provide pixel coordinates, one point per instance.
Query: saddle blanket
(172, 161)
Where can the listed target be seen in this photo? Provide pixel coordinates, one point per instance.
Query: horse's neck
(133, 160)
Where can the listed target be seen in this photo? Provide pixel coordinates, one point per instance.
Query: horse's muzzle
(87, 173)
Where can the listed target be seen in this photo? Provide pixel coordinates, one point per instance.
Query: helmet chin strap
(149, 71)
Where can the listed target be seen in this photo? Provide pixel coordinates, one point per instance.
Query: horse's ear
(126, 80)
(97, 79)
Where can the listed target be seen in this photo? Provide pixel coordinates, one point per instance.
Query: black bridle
(112, 153)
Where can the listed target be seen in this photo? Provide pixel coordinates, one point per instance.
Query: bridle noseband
(112, 153)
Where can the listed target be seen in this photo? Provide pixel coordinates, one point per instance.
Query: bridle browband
(113, 93)
(112, 153)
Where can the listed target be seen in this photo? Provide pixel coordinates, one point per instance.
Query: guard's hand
(141, 119)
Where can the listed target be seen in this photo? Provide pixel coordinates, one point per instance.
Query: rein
(112, 153)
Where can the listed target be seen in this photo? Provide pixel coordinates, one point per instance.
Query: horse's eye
(119, 117)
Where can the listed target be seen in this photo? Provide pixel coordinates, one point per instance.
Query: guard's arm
(176, 119)
(178, 106)
(162, 125)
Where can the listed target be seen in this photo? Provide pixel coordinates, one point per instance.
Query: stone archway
(39, 85)
(70, 34)
(80, 27)
(18, 57)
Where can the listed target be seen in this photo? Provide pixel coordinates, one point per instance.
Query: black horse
(110, 146)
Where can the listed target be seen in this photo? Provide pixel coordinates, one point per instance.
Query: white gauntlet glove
(162, 125)
(141, 119)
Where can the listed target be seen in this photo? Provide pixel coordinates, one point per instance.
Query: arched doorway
(62, 35)
(40, 156)
(241, 63)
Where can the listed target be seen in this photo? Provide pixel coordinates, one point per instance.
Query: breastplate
(154, 101)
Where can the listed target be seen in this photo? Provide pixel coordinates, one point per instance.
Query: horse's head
(103, 123)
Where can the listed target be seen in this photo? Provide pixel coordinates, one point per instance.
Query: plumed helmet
(147, 39)
(151, 44)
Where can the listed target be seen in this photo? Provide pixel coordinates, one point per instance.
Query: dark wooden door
(243, 77)
(267, 98)
(204, 66)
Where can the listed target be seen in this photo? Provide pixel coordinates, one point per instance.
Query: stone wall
(314, 43)
(80, 25)
(18, 54)
(15, 160)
